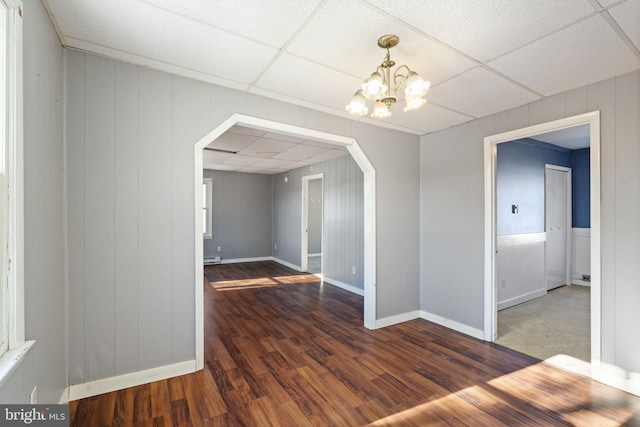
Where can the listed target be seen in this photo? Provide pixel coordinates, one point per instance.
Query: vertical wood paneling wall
(241, 215)
(130, 139)
(343, 238)
(452, 210)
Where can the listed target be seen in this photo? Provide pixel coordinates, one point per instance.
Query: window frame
(207, 207)
(13, 308)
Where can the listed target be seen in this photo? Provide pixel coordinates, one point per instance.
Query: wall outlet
(275, 247)
(33, 396)
(503, 282)
(353, 269)
(219, 248)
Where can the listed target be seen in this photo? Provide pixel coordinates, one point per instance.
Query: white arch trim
(369, 212)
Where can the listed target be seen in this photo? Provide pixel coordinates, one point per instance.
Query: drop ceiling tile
(272, 22)
(264, 147)
(246, 131)
(150, 33)
(627, 16)
(290, 75)
(324, 145)
(606, 3)
(485, 29)
(336, 38)
(300, 153)
(232, 141)
(272, 163)
(428, 118)
(283, 137)
(209, 156)
(240, 160)
(220, 167)
(479, 93)
(584, 53)
(326, 155)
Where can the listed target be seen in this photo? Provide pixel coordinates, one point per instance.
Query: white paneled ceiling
(481, 56)
(243, 149)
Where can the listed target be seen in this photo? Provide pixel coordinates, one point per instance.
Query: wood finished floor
(283, 350)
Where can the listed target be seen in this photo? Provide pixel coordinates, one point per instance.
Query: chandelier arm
(398, 74)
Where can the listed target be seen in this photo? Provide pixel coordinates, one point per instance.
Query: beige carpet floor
(557, 323)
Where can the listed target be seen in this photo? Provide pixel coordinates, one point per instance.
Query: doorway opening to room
(542, 251)
(283, 186)
(312, 224)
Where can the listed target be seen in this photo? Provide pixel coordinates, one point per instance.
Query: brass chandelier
(385, 91)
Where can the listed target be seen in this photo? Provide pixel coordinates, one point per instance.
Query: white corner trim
(286, 264)
(398, 318)
(344, 286)
(13, 358)
(106, 385)
(452, 324)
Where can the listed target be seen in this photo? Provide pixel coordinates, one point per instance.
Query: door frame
(369, 187)
(568, 239)
(304, 233)
(490, 234)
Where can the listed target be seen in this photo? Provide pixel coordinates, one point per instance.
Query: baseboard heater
(212, 260)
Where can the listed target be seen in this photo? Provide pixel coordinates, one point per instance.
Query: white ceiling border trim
(369, 212)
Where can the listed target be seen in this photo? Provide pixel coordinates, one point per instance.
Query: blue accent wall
(520, 181)
(580, 185)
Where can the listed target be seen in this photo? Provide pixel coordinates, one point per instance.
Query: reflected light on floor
(230, 285)
(537, 386)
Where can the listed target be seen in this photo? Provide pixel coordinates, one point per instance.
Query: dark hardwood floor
(283, 350)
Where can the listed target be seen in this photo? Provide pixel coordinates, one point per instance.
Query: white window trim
(17, 347)
(208, 205)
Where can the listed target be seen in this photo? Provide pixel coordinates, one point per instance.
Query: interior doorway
(493, 282)
(557, 220)
(369, 180)
(312, 224)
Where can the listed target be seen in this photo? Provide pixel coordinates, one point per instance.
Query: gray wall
(131, 133)
(241, 215)
(314, 216)
(45, 364)
(343, 246)
(452, 210)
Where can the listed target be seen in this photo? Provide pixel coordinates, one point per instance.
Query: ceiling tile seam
(54, 22)
(577, 21)
(142, 57)
(206, 24)
(456, 51)
(286, 45)
(422, 33)
(620, 32)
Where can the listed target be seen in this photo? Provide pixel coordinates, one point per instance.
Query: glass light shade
(374, 87)
(413, 103)
(358, 105)
(380, 111)
(415, 86)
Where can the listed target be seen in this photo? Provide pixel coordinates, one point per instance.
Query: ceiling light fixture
(385, 91)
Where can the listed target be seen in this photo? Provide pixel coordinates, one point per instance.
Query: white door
(557, 224)
(311, 247)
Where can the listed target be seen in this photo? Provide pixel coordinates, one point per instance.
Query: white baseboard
(452, 324)
(521, 298)
(616, 377)
(106, 385)
(286, 264)
(238, 260)
(398, 318)
(344, 286)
